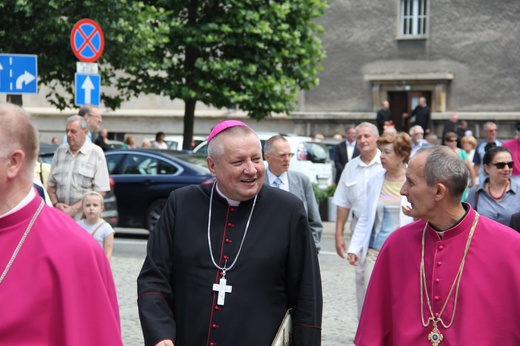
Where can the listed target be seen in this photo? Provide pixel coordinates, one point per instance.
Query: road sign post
(87, 42)
(18, 74)
(87, 89)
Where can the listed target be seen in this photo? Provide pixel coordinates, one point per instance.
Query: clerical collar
(230, 201)
(23, 203)
(441, 232)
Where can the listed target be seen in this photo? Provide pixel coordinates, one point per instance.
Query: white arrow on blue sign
(18, 73)
(88, 89)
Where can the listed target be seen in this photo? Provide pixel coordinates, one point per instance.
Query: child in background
(94, 224)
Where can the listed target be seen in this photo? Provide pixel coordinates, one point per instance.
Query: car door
(141, 179)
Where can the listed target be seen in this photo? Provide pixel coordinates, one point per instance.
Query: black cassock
(277, 269)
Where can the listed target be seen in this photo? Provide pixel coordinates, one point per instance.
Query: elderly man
(227, 260)
(351, 194)
(56, 287)
(77, 167)
(418, 141)
(277, 152)
(92, 115)
(447, 278)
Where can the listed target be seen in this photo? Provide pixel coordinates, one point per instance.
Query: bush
(322, 195)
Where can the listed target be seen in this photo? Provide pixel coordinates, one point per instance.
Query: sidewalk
(339, 302)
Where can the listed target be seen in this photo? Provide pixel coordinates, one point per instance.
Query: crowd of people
(418, 226)
(434, 234)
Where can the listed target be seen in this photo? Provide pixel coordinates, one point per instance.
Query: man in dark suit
(515, 222)
(421, 115)
(384, 116)
(345, 151)
(277, 152)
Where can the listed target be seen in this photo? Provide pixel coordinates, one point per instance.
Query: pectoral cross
(435, 335)
(222, 289)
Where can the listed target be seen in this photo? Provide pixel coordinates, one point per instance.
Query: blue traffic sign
(18, 73)
(88, 89)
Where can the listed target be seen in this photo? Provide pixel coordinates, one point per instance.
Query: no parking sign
(87, 40)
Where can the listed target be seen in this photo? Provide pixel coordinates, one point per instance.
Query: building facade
(461, 56)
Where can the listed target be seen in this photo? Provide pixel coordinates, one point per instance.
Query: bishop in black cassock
(225, 261)
(277, 269)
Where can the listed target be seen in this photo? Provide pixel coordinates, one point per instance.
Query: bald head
(442, 165)
(18, 133)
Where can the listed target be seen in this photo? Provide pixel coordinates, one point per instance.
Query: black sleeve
(337, 159)
(515, 222)
(304, 286)
(154, 283)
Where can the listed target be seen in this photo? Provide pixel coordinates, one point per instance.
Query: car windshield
(312, 151)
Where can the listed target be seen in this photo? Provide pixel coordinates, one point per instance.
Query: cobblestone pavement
(339, 303)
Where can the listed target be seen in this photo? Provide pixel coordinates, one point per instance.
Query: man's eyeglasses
(284, 155)
(501, 165)
(451, 140)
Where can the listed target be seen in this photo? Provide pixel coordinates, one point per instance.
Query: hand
(405, 115)
(341, 246)
(165, 343)
(472, 183)
(68, 209)
(60, 206)
(352, 259)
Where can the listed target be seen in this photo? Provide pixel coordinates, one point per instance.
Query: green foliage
(43, 28)
(252, 54)
(256, 55)
(322, 195)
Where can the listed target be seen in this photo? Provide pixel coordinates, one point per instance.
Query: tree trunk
(189, 65)
(189, 120)
(16, 99)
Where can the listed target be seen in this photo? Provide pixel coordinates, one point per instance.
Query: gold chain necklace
(435, 336)
(20, 243)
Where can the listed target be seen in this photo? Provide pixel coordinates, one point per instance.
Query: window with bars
(413, 18)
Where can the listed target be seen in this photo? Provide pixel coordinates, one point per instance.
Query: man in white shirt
(277, 152)
(351, 194)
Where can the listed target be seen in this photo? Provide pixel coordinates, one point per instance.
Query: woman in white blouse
(383, 212)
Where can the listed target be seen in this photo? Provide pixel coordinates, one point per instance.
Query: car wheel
(154, 212)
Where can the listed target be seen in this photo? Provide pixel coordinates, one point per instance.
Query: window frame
(410, 13)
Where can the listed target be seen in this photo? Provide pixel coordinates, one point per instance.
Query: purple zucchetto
(223, 126)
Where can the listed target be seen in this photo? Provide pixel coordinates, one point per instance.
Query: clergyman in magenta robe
(483, 308)
(56, 286)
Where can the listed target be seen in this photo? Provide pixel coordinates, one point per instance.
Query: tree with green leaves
(43, 27)
(256, 55)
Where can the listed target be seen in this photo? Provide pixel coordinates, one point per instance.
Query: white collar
(230, 201)
(376, 159)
